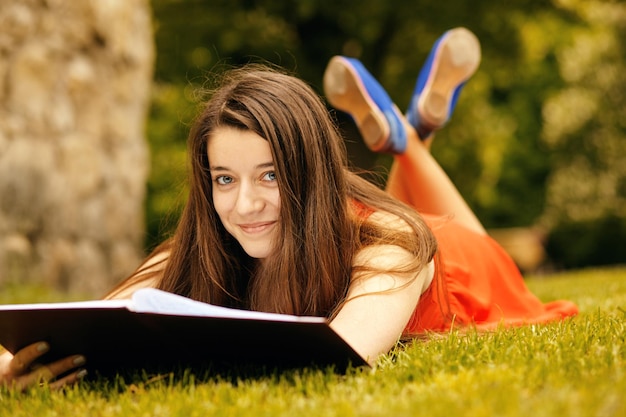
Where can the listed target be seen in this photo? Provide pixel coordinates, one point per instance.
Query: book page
(150, 300)
(68, 305)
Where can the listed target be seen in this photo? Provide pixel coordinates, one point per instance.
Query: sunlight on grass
(570, 368)
(592, 289)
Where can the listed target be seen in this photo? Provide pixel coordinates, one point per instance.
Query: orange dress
(477, 283)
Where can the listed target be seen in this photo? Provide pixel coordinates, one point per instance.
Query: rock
(75, 81)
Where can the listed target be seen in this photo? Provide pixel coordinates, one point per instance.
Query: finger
(40, 375)
(46, 373)
(70, 379)
(23, 359)
(64, 365)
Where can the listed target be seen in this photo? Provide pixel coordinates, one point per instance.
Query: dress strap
(361, 210)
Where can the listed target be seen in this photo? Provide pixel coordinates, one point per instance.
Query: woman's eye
(269, 176)
(223, 180)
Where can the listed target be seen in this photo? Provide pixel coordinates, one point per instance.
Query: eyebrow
(260, 166)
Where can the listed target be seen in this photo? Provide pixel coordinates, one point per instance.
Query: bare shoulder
(146, 276)
(382, 256)
(127, 291)
(389, 220)
(389, 265)
(155, 262)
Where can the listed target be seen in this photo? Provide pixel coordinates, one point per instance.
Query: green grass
(571, 368)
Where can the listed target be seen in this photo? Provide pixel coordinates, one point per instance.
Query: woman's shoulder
(389, 221)
(385, 250)
(127, 291)
(380, 217)
(147, 275)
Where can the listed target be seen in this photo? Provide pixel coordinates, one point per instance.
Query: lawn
(571, 368)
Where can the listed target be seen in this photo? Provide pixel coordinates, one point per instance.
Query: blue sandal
(453, 59)
(349, 87)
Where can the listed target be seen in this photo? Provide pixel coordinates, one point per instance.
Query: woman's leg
(417, 179)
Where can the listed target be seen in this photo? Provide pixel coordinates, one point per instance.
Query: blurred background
(536, 144)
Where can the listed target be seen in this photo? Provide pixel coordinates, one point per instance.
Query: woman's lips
(255, 228)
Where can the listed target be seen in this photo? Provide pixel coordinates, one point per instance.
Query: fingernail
(81, 374)
(79, 360)
(43, 347)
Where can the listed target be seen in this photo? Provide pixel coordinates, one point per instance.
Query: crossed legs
(416, 178)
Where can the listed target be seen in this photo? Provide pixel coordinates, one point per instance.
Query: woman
(276, 221)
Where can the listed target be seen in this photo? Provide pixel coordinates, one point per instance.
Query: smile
(256, 228)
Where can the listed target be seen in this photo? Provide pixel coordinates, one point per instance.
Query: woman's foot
(349, 87)
(453, 59)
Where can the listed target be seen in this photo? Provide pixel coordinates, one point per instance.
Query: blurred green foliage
(537, 137)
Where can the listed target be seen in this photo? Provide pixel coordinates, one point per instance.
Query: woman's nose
(249, 200)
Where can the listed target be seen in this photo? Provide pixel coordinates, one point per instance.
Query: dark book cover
(157, 331)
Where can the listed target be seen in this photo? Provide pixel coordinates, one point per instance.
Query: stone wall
(74, 93)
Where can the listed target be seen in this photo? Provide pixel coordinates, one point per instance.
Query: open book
(157, 331)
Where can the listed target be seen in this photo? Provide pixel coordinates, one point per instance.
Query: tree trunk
(74, 92)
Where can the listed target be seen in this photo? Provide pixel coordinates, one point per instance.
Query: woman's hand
(22, 370)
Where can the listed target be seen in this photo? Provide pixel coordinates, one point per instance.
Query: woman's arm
(380, 306)
(146, 276)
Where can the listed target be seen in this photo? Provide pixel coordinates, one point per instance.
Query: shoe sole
(345, 91)
(457, 59)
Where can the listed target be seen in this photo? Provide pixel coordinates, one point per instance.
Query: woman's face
(245, 188)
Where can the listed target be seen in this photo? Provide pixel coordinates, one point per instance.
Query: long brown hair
(310, 268)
